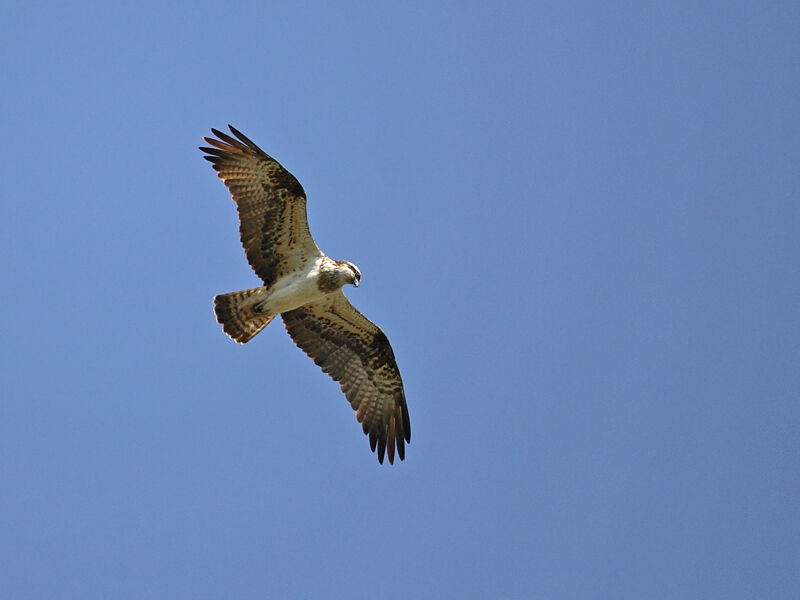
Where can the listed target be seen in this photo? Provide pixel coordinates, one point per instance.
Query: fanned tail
(237, 313)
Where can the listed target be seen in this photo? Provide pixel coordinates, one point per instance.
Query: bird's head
(356, 273)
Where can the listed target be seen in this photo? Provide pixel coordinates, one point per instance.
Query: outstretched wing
(271, 203)
(356, 353)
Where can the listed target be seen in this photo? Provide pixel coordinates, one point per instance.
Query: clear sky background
(578, 224)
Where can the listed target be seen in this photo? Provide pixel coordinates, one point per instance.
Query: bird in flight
(304, 286)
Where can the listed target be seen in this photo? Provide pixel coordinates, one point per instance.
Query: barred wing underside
(271, 204)
(356, 353)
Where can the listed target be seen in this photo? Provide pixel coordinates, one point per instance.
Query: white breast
(295, 290)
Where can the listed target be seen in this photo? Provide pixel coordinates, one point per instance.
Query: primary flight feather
(304, 286)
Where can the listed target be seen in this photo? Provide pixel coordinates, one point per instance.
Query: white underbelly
(292, 294)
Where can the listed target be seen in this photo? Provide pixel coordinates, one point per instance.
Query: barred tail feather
(236, 312)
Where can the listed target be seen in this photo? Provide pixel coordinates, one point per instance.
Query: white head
(355, 271)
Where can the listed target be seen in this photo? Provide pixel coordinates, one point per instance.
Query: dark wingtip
(381, 450)
(244, 139)
(237, 133)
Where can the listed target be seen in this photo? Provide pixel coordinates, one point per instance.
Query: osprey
(304, 286)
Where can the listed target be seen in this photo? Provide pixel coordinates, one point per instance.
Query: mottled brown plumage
(304, 286)
(356, 353)
(271, 203)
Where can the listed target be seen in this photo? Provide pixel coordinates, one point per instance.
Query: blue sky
(577, 223)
